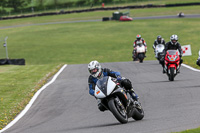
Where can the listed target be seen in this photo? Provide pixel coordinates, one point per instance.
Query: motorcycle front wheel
(141, 57)
(171, 76)
(118, 110)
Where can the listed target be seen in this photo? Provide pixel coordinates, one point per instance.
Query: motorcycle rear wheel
(138, 113)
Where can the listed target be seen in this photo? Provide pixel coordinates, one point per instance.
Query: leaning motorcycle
(140, 52)
(117, 100)
(172, 64)
(159, 54)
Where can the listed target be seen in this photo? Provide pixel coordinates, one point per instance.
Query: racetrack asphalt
(97, 20)
(66, 106)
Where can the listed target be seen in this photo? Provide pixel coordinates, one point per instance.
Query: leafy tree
(96, 1)
(80, 2)
(2, 3)
(16, 4)
(55, 2)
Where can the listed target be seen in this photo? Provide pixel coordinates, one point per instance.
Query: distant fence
(101, 9)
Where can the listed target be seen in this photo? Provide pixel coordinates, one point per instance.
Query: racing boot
(181, 61)
(133, 95)
(163, 70)
(100, 106)
(135, 98)
(178, 71)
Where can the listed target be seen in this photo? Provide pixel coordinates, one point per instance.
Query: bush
(67, 4)
(80, 3)
(2, 11)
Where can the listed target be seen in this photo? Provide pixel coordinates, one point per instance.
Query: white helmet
(174, 39)
(95, 69)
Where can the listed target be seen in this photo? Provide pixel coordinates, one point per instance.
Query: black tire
(105, 19)
(141, 57)
(138, 114)
(171, 76)
(116, 112)
(3, 61)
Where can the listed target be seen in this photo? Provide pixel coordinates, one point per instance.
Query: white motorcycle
(159, 54)
(117, 100)
(140, 52)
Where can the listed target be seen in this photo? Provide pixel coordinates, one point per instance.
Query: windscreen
(160, 45)
(172, 52)
(102, 83)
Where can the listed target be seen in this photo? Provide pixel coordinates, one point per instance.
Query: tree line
(15, 4)
(18, 5)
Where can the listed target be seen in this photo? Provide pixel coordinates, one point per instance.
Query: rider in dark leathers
(173, 45)
(159, 40)
(97, 72)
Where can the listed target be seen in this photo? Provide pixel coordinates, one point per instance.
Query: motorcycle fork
(117, 100)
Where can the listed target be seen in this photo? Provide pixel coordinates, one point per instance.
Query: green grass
(18, 85)
(197, 130)
(82, 42)
(45, 47)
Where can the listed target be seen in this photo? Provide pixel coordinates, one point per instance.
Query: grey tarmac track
(66, 106)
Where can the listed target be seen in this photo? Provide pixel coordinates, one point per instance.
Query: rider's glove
(119, 78)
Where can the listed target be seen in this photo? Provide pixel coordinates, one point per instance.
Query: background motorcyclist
(157, 41)
(173, 44)
(139, 40)
(96, 72)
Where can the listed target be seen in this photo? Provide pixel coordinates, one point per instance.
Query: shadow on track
(195, 86)
(164, 81)
(98, 126)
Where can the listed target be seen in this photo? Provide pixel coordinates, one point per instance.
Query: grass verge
(18, 85)
(105, 41)
(197, 130)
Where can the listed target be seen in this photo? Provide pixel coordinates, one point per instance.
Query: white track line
(190, 68)
(28, 106)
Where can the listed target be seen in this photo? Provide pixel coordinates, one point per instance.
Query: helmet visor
(174, 41)
(94, 71)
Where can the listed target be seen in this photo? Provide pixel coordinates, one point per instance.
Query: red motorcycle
(172, 64)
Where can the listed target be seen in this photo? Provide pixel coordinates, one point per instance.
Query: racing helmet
(94, 68)
(138, 37)
(159, 38)
(174, 39)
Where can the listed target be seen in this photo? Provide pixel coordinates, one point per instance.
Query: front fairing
(104, 87)
(160, 48)
(140, 48)
(172, 56)
(172, 59)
